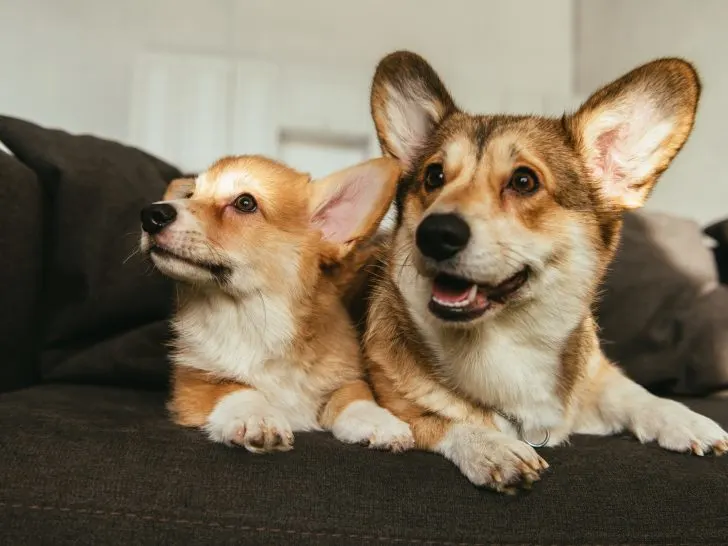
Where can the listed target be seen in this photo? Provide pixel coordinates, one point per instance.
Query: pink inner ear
(606, 163)
(340, 216)
(625, 145)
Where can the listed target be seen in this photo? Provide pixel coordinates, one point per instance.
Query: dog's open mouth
(461, 300)
(217, 270)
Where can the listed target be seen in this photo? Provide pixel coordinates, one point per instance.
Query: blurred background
(191, 80)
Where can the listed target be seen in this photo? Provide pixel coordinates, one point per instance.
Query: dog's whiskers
(134, 252)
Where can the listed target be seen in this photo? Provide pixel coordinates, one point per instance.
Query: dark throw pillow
(21, 224)
(663, 314)
(104, 309)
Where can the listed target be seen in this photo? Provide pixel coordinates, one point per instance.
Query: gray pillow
(663, 313)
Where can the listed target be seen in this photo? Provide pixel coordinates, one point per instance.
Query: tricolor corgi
(264, 346)
(480, 330)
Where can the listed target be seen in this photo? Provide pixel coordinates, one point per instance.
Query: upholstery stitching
(248, 528)
(275, 530)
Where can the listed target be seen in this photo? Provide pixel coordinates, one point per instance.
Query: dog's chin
(185, 269)
(462, 302)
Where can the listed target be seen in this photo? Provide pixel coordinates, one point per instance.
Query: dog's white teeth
(444, 303)
(472, 294)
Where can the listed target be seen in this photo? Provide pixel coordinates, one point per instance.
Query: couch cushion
(663, 313)
(98, 293)
(20, 271)
(107, 465)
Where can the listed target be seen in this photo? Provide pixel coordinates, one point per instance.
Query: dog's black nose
(441, 236)
(157, 216)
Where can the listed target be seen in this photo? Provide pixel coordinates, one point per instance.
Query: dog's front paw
(364, 422)
(246, 418)
(492, 459)
(677, 428)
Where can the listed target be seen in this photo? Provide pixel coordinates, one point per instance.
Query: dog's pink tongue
(450, 294)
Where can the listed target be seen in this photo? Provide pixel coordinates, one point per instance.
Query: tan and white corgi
(264, 346)
(480, 330)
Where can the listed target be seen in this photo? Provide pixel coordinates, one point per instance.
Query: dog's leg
(354, 417)
(613, 403)
(485, 455)
(229, 412)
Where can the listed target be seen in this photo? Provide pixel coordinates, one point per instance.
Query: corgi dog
(264, 346)
(480, 332)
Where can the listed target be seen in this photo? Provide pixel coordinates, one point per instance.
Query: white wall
(69, 63)
(617, 35)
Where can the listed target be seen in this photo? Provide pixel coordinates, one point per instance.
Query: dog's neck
(265, 322)
(262, 321)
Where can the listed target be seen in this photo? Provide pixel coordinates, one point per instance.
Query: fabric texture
(663, 313)
(21, 224)
(103, 305)
(97, 465)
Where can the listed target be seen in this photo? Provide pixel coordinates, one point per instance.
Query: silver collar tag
(542, 443)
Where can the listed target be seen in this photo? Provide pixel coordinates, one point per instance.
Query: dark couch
(88, 455)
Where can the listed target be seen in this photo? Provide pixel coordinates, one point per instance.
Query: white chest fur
(502, 368)
(247, 341)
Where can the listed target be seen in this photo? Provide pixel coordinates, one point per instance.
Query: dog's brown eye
(524, 181)
(434, 177)
(245, 203)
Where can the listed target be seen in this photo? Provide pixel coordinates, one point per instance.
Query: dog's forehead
(258, 176)
(228, 182)
(497, 137)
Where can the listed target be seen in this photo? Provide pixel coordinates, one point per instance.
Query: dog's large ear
(629, 131)
(348, 205)
(408, 101)
(179, 188)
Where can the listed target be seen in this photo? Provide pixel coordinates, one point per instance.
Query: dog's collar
(518, 425)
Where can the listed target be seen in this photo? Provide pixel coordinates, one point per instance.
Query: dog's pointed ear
(629, 131)
(179, 188)
(408, 101)
(348, 206)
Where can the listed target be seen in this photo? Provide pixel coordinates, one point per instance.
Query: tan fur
(195, 394)
(264, 343)
(341, 398)
(179, 188)
(476, 391)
